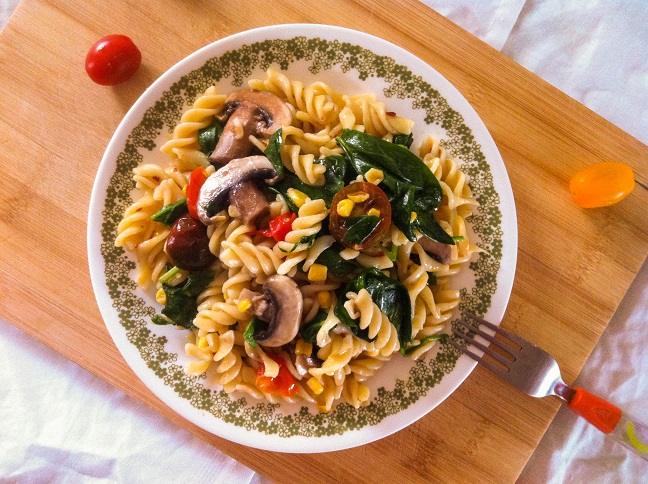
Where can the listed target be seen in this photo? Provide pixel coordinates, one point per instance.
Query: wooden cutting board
(574, 265)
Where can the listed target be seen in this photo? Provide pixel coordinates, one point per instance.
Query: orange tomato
(602, 184)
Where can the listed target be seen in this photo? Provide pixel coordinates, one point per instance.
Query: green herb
(208, 137)
(168, 274)
(180, 308)
(411, 349)
(254, 327)
(403, 139)
(273, 151)
(457, 238)
(335, 264)
(338, 174)
(432, 279)
(392, 254)
(309, 331)
(391, 297)
(306, 239)
(360, 228)
(170, 213)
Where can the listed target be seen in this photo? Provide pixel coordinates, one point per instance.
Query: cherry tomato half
(283, 384)
(196, 181)
(602, 184)
(375, 201)
(113, 60)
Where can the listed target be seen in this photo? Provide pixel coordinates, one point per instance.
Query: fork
(536, 373)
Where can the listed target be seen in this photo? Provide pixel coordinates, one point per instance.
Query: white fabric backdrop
(58, 419)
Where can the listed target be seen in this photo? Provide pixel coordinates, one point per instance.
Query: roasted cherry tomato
(113, 60)
(279, 227)
(602, 184)
(188, 244)
(196, 181)
(353, 202)
(283, 384)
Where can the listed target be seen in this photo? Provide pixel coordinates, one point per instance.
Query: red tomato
(376, 200)
(279, 227)
(283, 384)
(196, 180)
(113, 60)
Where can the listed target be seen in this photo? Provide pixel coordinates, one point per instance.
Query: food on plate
(299, 241)
(602, 184)
(112, 60)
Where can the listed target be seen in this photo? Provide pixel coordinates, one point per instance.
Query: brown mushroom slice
(249, 201)
(214, 194)
(440, 252)
(249, 112)
(281, 307)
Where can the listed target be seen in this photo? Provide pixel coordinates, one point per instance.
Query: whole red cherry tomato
(113, 60)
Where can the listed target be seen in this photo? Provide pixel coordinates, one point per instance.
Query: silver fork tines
(520, 363)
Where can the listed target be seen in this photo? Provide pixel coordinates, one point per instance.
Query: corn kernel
(303, 348)
(324, 299)
(358, 197)
(160, 296)
(317, 273)
(244, 305)
(344, 207)
(374, 176)
(296, 196)
(314, 385)
(413, 216)
(374, 212)
(202, 342)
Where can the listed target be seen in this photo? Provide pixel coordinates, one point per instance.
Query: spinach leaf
(306, 239)
(180, 308)
(359, 228)
(428, 226)
(170, 213)
(403, 139)
(395, 159)
(337, 174)
(309, 331)
(335, 264)
(426, 340)
(291, 180)
(273, 151)
(432, 279)
(391, 297)
(208, 137)
(254, 326)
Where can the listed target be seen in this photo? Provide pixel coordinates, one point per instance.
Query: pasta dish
(299, 240)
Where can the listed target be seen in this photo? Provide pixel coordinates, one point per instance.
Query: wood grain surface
(574, 265)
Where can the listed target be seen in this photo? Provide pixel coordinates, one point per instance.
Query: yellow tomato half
(602, 184)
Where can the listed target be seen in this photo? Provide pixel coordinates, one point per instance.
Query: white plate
(351, 62)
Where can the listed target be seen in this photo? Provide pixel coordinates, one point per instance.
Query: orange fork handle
(603, 415)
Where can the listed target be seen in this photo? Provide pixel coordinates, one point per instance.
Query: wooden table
(574, 265)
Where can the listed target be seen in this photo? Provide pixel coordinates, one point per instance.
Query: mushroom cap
(439, 251)
(249, 112)
(215, 191)
(285, 303)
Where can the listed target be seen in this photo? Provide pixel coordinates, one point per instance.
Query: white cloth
(58, 419)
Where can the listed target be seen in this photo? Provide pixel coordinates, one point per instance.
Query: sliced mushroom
(249, 112)
(250, 202)
(214, 194)
(303, 363)
(440, 252)
(281, 307)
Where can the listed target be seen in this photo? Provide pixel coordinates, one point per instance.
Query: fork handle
(611, 420)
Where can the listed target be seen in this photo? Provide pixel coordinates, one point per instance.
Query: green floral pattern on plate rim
(237, 65)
